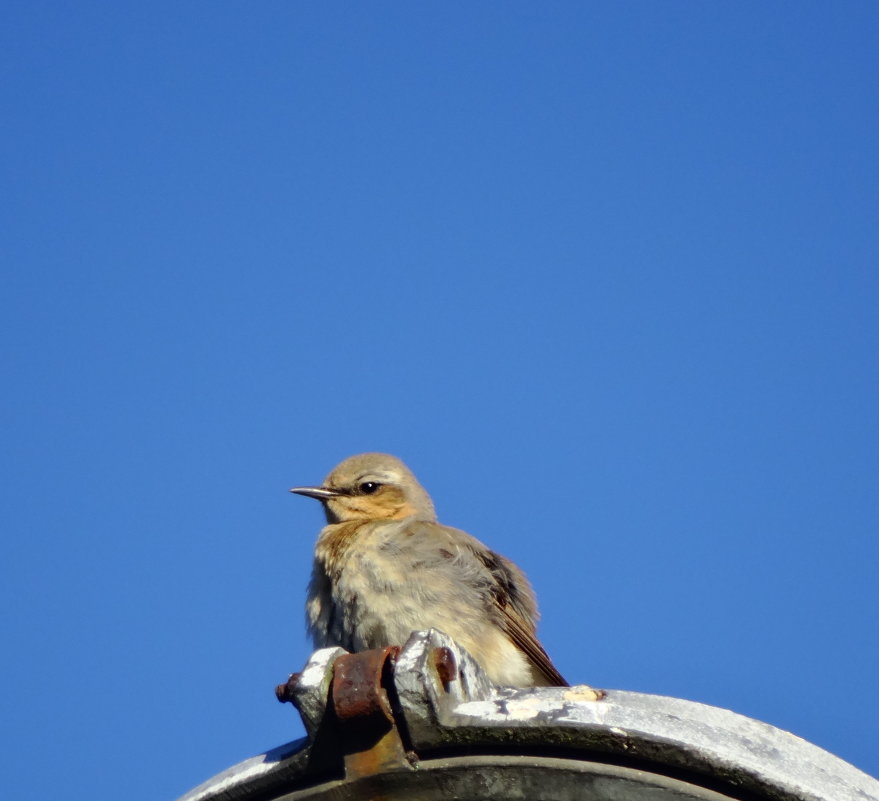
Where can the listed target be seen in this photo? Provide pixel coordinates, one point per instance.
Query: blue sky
(604, 274)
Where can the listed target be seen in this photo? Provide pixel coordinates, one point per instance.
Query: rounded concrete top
(466, 738)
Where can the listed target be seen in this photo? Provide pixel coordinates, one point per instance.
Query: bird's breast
(336, 543)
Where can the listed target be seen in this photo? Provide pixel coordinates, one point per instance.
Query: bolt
(446, 667)
(285, 692)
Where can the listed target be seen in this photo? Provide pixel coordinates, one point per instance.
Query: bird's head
(371, 486)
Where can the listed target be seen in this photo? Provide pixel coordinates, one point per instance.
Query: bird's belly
(376, 604)
(383, 609)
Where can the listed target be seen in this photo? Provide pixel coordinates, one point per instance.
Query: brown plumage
(384, 567)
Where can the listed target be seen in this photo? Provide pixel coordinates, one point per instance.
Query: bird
(384, 567)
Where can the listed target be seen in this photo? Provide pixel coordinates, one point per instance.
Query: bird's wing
(514, 599)
(523, 637)
(511, 599)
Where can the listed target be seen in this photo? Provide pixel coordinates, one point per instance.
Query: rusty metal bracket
(372, 741)
(347, 703)
(358, 692)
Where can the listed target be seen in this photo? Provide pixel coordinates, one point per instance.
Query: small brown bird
(384, 567)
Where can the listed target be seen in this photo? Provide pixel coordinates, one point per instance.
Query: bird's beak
(321, 493)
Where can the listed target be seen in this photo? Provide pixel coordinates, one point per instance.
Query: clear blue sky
(606, 275)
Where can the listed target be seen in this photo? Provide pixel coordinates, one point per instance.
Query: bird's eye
(369, 487)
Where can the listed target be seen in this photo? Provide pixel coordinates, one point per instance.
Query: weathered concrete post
(424, 722)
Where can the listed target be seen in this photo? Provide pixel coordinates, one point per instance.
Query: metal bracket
(349, 710)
